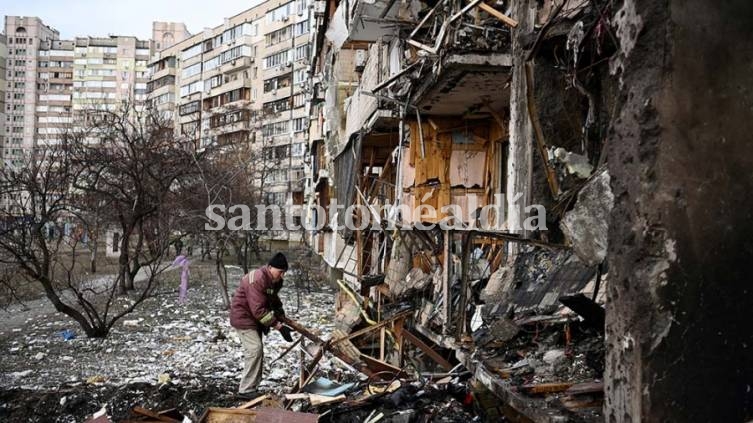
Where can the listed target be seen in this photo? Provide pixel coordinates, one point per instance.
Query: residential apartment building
(24, 37)
(49, 80)
(3, 90)
(242, 82)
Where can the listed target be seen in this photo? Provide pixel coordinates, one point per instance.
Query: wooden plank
(512, 23)
(324, 399)
(464, 10)
(546, 388)
(422, 46)
(413, 339)
(578, 404)
(287, 350)
(586, 388)
(380, 366)
(371, 328)
(266, 415)
(149, 413)
(533, 114)
(253, 402)
(426, 18)
(337, 353)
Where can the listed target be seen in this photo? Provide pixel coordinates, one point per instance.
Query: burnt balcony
(363, 20)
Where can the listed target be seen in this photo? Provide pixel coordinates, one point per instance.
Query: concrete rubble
(561, 114)
(447, 112)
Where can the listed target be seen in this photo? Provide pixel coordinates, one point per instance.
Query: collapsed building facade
(576, 313)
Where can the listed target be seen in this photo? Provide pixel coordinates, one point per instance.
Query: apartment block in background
(242, 82)
(3, 89)
(24, 37)
(50, 80)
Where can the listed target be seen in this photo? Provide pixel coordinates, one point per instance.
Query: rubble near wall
(678, 346)
(599, 111)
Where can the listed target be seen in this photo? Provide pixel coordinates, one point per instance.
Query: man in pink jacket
(255, 309)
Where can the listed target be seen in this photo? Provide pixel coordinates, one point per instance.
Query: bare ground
(46, 378)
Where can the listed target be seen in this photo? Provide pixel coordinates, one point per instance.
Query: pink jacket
(255, 304)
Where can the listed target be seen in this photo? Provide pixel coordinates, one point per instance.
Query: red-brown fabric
(253, 300)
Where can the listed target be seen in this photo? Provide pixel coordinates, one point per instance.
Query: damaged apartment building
(596, 312)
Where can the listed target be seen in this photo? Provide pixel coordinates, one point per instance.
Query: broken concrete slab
(500, 282)
(575, 164)
(586, 225)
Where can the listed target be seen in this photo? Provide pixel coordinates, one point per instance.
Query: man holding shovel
(255, 309)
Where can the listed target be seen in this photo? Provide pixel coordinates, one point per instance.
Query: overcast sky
(124, 17)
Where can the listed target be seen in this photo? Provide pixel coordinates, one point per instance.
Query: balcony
(363, 20)
(228, 128)
(166, 71)
(467, 84)
(365, 112)
(237, 64)
(239, 82)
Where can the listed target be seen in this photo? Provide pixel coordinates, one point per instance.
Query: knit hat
(279, 262)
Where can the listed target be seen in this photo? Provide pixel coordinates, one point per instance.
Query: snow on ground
(189, 343)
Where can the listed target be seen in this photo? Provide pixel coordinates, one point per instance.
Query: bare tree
(129, 166)
(39, 243)
(230, 174)
(118, 168)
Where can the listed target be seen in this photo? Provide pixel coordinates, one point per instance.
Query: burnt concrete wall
(679, 334)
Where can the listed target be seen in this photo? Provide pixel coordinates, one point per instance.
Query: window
(276, 198)
(298, 149)
(274, 129)
(165, 80)
(228, 97)
(235, 53)
(281, 12)
(278, 36)
(212, 82)
(191, 71)
(299, 100)
(229, 118)
(190, 88)
(211, 63)
(276, 106)
(164, 98)
(277, 59)
(188, 108)
(190, 52)
(302, 52)
(299, 76)
(189, 128)
(64, 53)
(232, 33)
(299, 124)
(301, 28)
